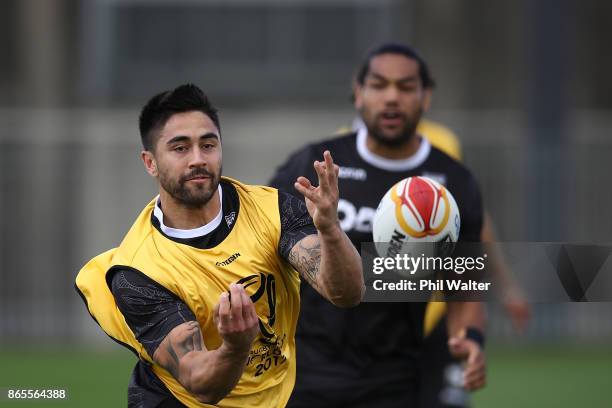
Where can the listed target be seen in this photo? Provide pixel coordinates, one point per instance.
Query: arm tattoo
(305, 257)
(172, 365)
(188, 339)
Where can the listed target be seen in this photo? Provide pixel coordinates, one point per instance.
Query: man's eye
(180, 149)
(408, 88)
(208, 146)
(377, 85)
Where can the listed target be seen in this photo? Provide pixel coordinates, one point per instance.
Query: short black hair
(161, 107)
(396, 48)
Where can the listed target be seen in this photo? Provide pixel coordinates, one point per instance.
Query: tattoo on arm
(305, 256)
(184, 339)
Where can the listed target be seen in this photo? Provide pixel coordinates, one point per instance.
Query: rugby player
(204, 288)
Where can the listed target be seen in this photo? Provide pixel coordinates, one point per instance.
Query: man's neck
(403, 151)
(179, 216)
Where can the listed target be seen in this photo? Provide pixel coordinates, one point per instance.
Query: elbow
(210, 398)
(346, 303)
(206, 393)
(347, 299)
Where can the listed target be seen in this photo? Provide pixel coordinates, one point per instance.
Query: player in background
(369, 356)
(438, 387)
(204, 288)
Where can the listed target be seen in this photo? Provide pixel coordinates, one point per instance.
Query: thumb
(458, 347)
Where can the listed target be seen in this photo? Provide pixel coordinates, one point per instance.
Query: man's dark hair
(396, 48)
(161, 107)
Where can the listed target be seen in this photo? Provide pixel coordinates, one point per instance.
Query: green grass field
(529, 377)
(542, 377)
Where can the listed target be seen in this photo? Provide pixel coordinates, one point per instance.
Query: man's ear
(427, 96)
(149, 162)
(357, 95)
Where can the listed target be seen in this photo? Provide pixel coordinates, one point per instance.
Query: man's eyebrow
(209, 135)
(411, 78)
(182, 138)
(177, 139)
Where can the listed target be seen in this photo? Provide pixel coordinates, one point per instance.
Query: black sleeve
(300, 163)
(295, 222)
(150, 310)
(471, 213)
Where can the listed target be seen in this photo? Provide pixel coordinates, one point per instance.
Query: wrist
(476, 335)
(332, 230)
(232, 352)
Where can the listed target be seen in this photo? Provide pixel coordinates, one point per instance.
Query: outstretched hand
(322, 201)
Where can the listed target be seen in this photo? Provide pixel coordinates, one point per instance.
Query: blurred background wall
(523, 83)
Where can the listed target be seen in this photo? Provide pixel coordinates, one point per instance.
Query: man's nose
(197, 158)
(391, 94)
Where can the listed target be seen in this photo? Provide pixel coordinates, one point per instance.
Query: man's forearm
(208, 374)
(341, 271)
(211, 375)
(462, 315)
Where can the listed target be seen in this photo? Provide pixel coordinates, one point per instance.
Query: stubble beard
(192, 197)
(402, 137)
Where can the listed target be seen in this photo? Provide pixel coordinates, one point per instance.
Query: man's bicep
(150, 310)
(295, 222)
(305, 257)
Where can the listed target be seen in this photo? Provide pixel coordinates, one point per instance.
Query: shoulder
(122, 278)
(137, 237)
(458, 177)
(260, 204)
(249, 190)
(441, 137)
(438, 158)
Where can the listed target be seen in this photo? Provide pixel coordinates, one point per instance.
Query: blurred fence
(71, 183)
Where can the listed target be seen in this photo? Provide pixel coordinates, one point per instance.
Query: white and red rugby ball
(417, 210)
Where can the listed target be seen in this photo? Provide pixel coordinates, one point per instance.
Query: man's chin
(196, 201)
(392, 139)
(199, 194)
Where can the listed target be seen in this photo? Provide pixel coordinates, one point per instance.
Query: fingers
(474, 376)
(303, 181)
(223, 310)
(332, 170)
(238, 324)
(216, 313)
(236, 291)
(248, 309)
(235, 311)
(327, 171)
(473, 356)
(304, 187)
(321, 169)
